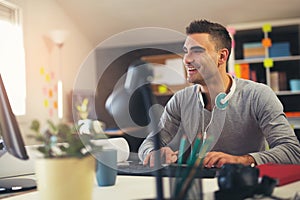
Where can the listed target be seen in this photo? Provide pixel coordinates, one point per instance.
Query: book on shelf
(242, 70)
(278, 81)
(256, 50)
(280, 49)
(253, 50)
(253, 75)
(292, 114)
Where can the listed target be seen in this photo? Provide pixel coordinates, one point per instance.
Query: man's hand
(165, 152)
(218, 159)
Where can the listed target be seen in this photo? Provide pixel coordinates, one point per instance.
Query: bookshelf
(283, 56)
(163, 89)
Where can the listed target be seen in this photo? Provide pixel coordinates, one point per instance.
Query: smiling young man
(240, 116)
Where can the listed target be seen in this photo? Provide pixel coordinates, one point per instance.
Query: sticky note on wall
(266, 42)
(237, 70)
(268, 63)
(267, 28)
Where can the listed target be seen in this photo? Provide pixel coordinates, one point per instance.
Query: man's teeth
(191, 69)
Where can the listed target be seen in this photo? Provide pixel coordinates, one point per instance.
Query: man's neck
(227, 80)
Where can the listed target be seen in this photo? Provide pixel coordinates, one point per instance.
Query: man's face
(200, 58)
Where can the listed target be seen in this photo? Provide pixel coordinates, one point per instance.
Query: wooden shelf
(261, 60)
(171, 89)
(160, 59)
(287, 92)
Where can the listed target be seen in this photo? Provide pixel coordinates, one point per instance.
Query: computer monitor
(12, 142)
(133, 103)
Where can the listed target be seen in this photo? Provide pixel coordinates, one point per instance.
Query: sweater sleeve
(169, 125)
(283, 144)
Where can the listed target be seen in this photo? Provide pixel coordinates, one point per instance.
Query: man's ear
(223, 56)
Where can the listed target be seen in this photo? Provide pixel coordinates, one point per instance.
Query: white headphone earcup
(219, 103)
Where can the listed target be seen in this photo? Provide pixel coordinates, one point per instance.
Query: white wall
(39, 18)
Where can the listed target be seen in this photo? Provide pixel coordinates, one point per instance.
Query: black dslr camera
(237, 182)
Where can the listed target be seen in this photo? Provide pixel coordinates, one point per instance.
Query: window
(12, 56)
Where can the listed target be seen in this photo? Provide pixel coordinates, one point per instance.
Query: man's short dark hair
(217, 32)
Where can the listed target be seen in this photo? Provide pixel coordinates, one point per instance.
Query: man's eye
(195, 50)
(198, 50)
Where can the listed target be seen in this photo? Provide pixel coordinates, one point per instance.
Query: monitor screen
(9, 128)
(11, 141)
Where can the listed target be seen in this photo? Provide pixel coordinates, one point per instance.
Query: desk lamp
(137, 91)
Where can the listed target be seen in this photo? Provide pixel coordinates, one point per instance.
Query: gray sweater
(253, 123)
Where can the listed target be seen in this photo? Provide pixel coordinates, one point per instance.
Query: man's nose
(187, 59)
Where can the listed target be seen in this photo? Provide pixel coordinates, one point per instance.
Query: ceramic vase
(65, 178)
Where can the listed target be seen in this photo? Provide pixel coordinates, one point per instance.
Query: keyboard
(172, 170)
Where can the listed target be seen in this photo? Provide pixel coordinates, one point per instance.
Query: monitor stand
(8, 185)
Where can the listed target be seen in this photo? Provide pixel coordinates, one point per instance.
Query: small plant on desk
(82, 109)
(67, 169)
(63, 140)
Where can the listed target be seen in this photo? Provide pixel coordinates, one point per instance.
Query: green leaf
(35, 126)
(69, 141)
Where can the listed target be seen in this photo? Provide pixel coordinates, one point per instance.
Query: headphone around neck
(221, 100)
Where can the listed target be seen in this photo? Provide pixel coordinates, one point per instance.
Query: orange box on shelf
(292, 114)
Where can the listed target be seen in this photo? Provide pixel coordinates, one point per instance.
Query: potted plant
(82, 109)
(67, 168)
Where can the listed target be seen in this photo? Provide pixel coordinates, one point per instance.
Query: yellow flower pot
(65, 178)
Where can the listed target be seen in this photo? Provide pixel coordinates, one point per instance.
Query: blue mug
(106, 170)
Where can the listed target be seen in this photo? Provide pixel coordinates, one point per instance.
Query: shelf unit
(282, 31)
(160, 60)
(287, 31)
(261, 60)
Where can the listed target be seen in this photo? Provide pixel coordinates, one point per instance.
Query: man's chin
(195, 81)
